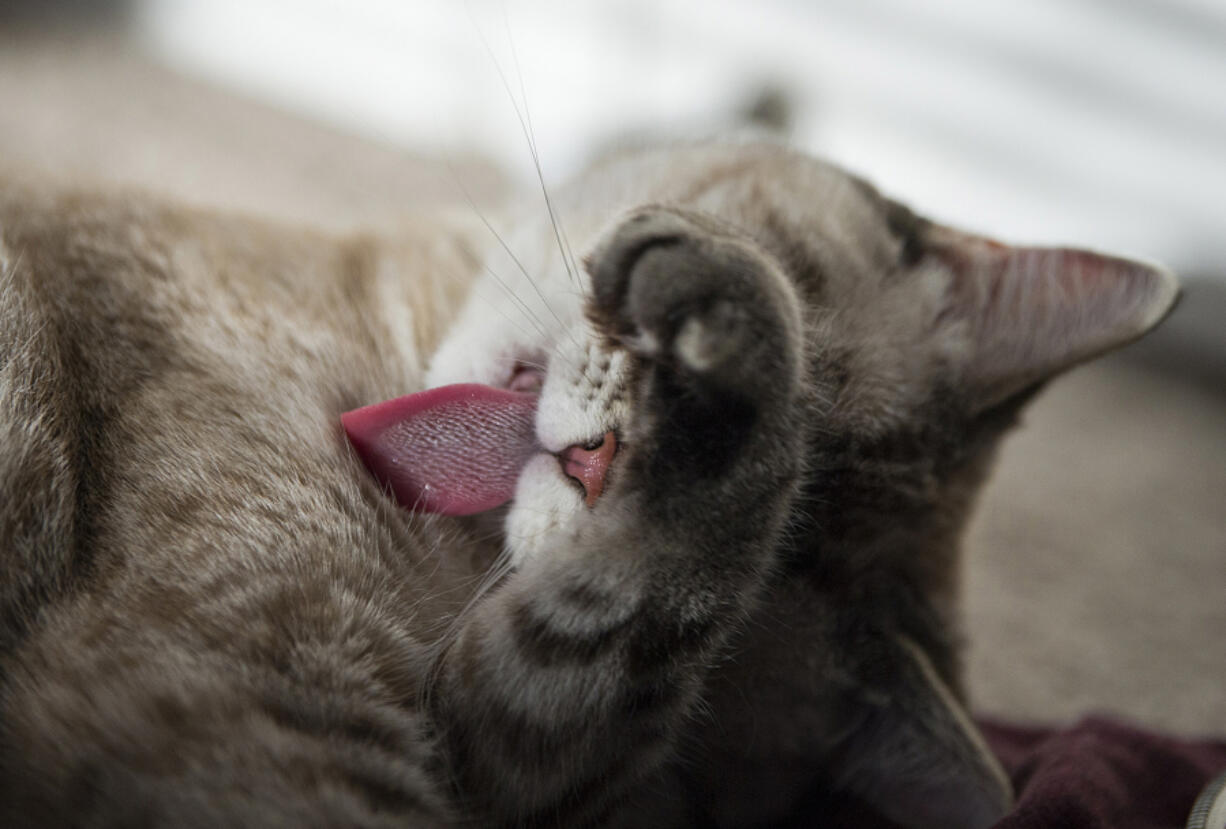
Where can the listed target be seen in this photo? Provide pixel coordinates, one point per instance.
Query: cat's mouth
(586, 464)
(526, 378)
(459, 449)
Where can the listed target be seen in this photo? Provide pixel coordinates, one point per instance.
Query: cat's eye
(525, 378)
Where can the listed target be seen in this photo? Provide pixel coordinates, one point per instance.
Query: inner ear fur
(1028, 313)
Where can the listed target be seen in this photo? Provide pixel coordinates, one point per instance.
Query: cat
(213, 615)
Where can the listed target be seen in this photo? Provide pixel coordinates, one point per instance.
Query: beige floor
(1097, 572)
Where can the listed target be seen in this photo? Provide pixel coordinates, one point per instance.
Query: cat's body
(214, 616)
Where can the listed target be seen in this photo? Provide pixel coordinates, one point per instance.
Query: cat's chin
(546, 503)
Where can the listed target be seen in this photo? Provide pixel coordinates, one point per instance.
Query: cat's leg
(565, 687)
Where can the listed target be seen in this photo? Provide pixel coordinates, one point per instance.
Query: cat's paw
(695, 299)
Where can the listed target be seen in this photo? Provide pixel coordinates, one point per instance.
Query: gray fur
(212, 616)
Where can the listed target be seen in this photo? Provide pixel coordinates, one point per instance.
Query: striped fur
(211, 616)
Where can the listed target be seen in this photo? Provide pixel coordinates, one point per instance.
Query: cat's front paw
(696, 299)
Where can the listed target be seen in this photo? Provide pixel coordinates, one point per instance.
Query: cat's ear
(919, 760)
(1029, 313)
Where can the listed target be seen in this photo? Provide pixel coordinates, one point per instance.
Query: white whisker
(568, 257)
(498, 308)
(524, 308)
(523, 124)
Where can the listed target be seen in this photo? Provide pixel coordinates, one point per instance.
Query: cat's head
(906, 320)
(921, 343)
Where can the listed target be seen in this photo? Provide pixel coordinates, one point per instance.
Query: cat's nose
(589, 464)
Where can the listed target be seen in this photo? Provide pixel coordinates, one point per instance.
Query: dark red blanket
(1100, 774)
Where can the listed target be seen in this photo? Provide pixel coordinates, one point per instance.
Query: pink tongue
(454, 450)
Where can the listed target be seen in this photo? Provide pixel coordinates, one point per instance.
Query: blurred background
(1097, 571)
